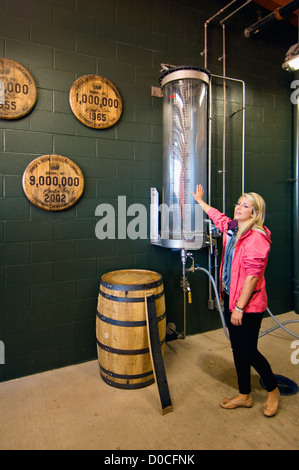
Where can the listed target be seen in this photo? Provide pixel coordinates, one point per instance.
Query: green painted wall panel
(51, 263)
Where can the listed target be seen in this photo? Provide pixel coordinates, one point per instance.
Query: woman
(246, 245)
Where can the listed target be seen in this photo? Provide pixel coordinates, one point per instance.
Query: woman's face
(243, 210)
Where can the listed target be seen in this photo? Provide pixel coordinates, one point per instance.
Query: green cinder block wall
(51, 262)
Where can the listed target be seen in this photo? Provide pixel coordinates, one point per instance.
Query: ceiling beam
(272, 5)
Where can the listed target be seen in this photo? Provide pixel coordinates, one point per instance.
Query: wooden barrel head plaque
(95, 101)
(18, 93)
(53, 182)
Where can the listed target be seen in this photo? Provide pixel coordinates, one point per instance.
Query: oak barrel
(122, 340)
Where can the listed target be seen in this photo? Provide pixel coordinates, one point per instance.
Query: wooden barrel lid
(131, 279)
(53, 182)
(18, 93)
(95, 101)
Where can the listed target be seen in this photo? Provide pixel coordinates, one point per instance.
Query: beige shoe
(271, 404)
(245, 401)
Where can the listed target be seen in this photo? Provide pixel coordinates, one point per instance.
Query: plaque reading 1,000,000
(95, 101)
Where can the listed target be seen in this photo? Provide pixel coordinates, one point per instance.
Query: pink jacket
(250, 259)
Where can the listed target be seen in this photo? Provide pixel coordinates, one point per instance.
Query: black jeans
(244, 341)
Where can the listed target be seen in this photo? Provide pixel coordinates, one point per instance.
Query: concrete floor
(72, 408)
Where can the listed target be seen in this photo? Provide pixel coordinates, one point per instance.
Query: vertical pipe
(243, 122)
(243, 137)
(205, 52)
(183, 258)
(296, 207)
(210, 145)
(210, 301)
(206, 44)
(224, 121)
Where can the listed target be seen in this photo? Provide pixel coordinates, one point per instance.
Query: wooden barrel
(122, 340)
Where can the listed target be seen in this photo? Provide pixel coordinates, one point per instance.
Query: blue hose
(198, 268)
(279, 325)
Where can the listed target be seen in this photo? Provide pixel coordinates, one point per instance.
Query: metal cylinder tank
(185, 145)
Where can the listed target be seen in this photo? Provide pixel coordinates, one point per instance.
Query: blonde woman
(246, 245)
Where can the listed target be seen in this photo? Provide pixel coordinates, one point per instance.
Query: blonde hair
(258, 213)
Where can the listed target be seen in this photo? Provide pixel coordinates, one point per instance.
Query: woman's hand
(198, 196)
(199, 193)
(236, 318)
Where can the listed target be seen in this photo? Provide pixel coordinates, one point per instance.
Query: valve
(189, 295)
(171, 329)
(186, 288)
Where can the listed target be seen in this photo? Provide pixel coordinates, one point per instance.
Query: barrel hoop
(111, 321)
(125, 376)
(129, 287)
(125, 352)
(127, 299)
(127, 386)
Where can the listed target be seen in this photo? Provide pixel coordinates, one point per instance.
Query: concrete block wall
(51, 263)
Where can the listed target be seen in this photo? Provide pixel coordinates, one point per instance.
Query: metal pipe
(216, 264)
(296, 207)
(224, 121)
(210, 301)
(224, 163)
(221, 11)
(210, 144)
(205, 52)
(243, 117)
(206, 29)
(243, 136)
(183, 258)
(277, 15)
(235, 11)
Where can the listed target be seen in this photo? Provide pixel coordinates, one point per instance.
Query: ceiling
(272, 5)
